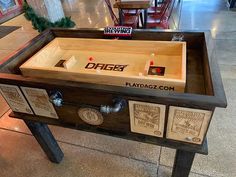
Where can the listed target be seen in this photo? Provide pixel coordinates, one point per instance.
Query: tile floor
(91, 155)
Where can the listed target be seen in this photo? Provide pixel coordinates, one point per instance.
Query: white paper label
(147, 118)
(118, 31)
(15, 98)
(39, 101)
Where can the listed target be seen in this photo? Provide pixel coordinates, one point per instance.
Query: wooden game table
(168, 118)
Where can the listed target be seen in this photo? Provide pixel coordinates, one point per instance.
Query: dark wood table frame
(206, 96)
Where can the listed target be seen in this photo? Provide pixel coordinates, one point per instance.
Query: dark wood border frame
(215, 99)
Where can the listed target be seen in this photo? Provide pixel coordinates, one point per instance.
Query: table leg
(232, 3)
(183, 163)
(145, 18)
(46, 140)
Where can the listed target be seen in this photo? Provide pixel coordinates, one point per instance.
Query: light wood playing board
(111, 62)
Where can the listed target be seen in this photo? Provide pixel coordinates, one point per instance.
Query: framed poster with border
(187, 124)
(39, 102)
(147, 118)
(15, 99)
(8, 5)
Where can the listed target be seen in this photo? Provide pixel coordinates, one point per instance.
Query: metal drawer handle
(119, 105)
(56, 99)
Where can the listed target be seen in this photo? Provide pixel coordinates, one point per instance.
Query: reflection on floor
(91, 155)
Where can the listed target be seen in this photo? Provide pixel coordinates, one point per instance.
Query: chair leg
(141, 18)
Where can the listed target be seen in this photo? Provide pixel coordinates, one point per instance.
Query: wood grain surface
(112, 62)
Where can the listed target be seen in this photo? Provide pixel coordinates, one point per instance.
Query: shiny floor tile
(131, 149)
(21, 156)
(164, 171)
(228, 71)
(13, 124)
(191, 20)
(204, 6)
(87, 14)
(4, 106)
(225, 52)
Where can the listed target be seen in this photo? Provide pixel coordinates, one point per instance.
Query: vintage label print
(15, 98)
(90, 116)
(187, 124)
(39, 101)
(147, 118)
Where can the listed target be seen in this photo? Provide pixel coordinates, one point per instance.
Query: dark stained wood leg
(232, 3)
(183, 163)
(46, 140)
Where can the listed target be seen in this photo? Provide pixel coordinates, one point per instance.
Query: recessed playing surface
(157, 65)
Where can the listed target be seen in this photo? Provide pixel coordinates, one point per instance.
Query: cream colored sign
(189, 125)
(39, 101)
(90, 116)
(15, 98)
(147, 118)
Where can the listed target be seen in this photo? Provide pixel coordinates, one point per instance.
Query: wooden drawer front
(188, 125)
(115, 122)
(147, 118)
(81, 107)
(81, 102)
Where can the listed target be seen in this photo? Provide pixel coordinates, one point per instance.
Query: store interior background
(92, 155)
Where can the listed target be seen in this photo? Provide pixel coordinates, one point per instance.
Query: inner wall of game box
(77, 53)
(195, 82)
